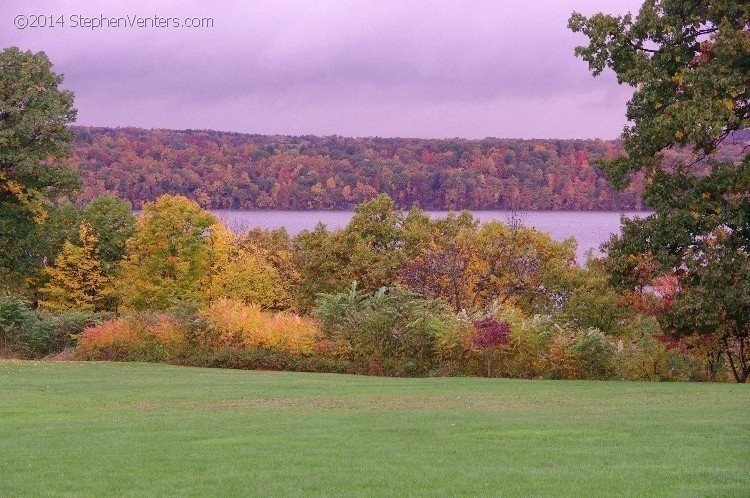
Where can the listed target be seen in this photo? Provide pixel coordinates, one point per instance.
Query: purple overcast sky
(434, 69)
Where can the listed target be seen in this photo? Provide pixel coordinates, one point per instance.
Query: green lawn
(137, 429)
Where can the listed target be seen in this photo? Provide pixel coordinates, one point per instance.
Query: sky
(426, 69)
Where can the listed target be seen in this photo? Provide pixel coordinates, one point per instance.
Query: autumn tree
(513, 261)
(242, 268)
(441, 262)
(168, 256)
(76, 279)
(274, 247)
(689, 65)
(34, 114)
(491, 334)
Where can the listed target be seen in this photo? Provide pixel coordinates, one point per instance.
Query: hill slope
(238, 171)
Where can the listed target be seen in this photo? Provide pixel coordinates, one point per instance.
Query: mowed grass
(103, 429)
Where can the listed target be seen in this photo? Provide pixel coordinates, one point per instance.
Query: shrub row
(390, 332)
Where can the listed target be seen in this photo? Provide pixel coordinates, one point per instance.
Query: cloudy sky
(440, 68)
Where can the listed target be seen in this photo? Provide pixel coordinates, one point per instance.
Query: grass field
(138, 429)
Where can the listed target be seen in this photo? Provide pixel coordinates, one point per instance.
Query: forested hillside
(237, 171)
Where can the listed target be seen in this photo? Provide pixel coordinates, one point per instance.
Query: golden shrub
(246, 325)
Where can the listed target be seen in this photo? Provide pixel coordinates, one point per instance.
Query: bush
(453, 352)
(65, 327)
(527, 353)
(388, 332)
(641, 358)
(563, 363)
(239, 325)
(227, 334)
(593, 353)
(259, 359)
(141, 337)
(30, 334)
(20, 329)
(646, 354)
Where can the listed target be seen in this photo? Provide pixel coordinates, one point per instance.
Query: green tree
(34, 114)
(16, 318)
(689, 63)
(585, 298)
(169, 255)
(369, 251)
(39, 243)
(319, 267)
(374, 241)
(113, 221)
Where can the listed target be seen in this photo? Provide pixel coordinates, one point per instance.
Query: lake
(589, 228)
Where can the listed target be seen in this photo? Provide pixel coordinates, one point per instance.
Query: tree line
(223, 170)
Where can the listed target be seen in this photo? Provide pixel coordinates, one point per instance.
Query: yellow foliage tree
(77, 280)
(513, 261)
(168, 255)
(244, 272)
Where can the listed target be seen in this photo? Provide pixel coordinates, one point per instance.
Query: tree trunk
(743, 360)
(740, 371)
